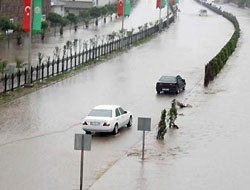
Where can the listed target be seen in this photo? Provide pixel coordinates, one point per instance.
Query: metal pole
(143, 144)
(122, 21)
(30, 43)
(81, 172)
(160, 15)
(160, 20)
(122, 28)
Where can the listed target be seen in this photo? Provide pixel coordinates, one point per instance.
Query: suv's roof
(106, 107)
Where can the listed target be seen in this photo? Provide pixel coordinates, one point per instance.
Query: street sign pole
(82, 142)
(144, 124)
(81, 172)
(143, 144)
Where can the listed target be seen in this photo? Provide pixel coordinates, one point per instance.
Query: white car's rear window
(101, 113)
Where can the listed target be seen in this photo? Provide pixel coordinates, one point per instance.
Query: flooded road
(37, 130)
(211, 148)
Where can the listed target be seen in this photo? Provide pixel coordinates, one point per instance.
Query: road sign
(82, 144)
(144, 124)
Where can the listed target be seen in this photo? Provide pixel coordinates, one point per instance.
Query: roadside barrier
(216, 64)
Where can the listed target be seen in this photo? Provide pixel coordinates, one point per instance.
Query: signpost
(144, 124)
(82, 142)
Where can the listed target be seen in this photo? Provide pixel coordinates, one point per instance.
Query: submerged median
(216, 64)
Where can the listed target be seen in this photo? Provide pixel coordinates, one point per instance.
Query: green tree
(54, 19)
(162, 127)
(3, 65)
(94, 12)
(19, 30)
(103, 10)
(111, 8)
(85, 14)
(45, 26)
(6, 25)
(63, 23)
(19, 63)
(73, 20)
(85, 17)
(172, 114)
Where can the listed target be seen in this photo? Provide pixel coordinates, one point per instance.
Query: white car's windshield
(100, 113)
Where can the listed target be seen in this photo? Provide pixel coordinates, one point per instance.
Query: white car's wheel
(115, 131)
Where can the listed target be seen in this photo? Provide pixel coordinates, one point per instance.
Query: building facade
(76, 6)
(13, 9)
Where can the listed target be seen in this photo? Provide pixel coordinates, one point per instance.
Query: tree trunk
(61, 30)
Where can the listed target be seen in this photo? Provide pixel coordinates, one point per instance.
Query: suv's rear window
(100, 113)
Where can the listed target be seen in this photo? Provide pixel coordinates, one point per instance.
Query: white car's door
(118, 117)
(124, 117)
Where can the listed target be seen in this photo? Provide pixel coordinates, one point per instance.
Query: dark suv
(174, 84)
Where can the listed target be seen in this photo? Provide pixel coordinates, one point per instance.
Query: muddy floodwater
(209, 151)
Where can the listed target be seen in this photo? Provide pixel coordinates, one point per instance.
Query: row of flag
(162, 3)
(123, 9)
(124, 6)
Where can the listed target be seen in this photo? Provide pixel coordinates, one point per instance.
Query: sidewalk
(210, 150)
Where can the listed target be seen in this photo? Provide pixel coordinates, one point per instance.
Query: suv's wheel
(130, 121)
(115, 131)
(158, 91)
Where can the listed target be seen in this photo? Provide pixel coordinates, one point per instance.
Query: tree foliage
(6, 24)
(72, 18)
(19, 63)
(54, 18)
(3, 65)
(162, 127)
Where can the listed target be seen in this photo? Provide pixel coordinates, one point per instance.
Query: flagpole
(123, 21)
(30, 43)
(160, 15)
(122, 24)
(160, 19)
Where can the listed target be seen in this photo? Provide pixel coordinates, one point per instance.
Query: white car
(203, 12)
(107, 118)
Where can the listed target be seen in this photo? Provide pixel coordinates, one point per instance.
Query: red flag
(120, 8)
(26, 16)
(158, 4)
